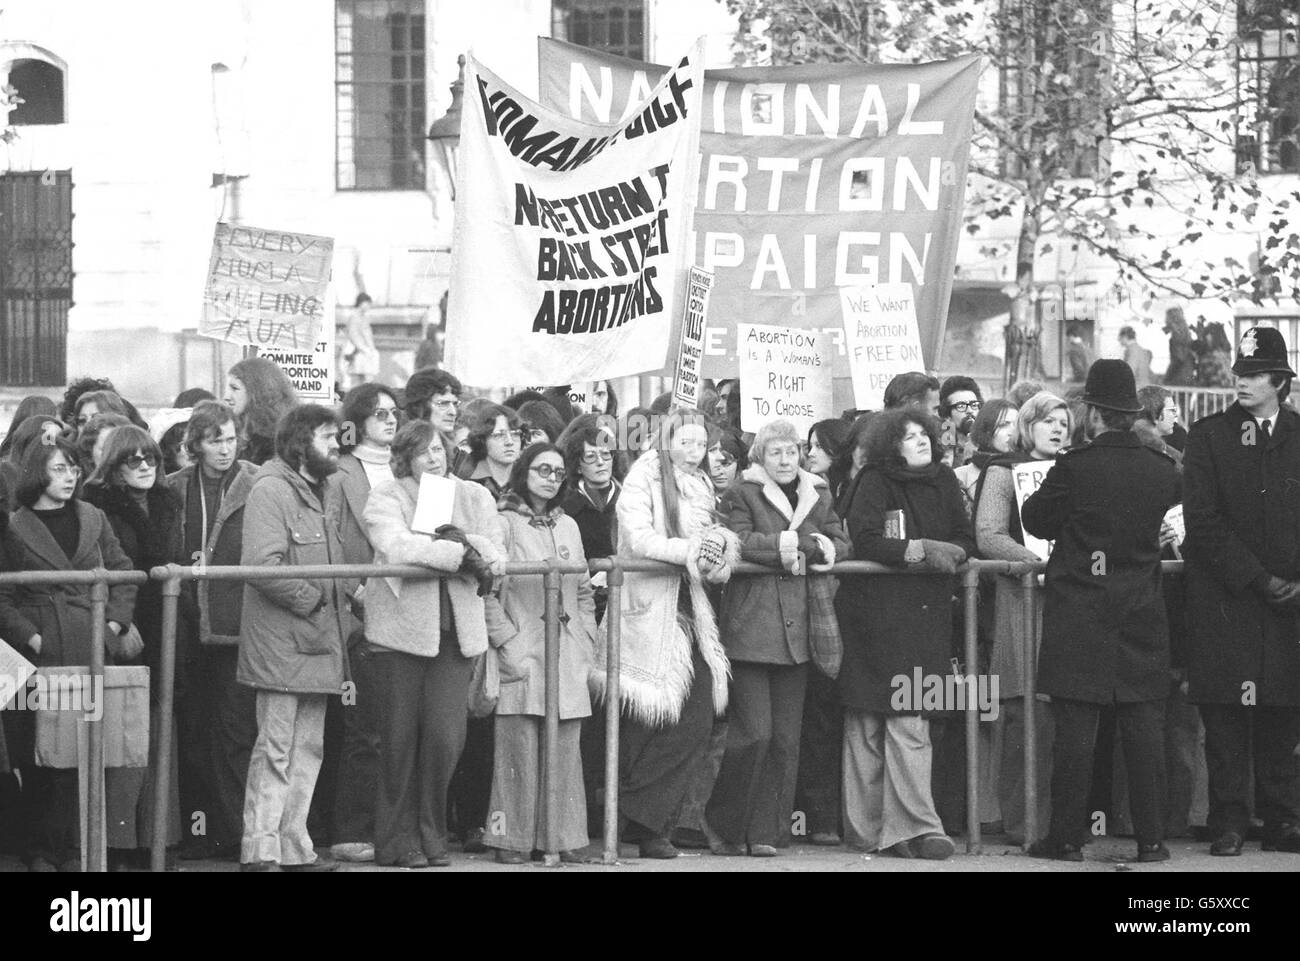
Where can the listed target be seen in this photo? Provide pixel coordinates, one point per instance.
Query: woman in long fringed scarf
(673, 670)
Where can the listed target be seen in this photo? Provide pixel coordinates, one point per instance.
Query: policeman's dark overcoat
(1105, 636)
(1243, 521)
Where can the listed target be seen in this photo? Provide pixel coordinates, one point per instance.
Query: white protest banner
(266, 288)
(690, 349)
(572, 239)
(882, 338)
(1028, 477)
(310, 371)
(814, 176)
(784, 375)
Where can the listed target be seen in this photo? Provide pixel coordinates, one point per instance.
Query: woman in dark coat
(129, 487)
(906, 511)
(776, 511)
(52, 529)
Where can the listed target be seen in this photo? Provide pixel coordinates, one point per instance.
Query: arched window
(40, 85)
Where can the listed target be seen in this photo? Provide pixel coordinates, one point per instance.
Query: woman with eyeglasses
(495, 440)
(49, 624)
(536, 529)
(129, 487)
(260, 393)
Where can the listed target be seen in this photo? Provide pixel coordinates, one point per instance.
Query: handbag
(485, 684)
(823, 626)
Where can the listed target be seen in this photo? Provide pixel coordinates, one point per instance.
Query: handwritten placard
(785, 374)
(266, 288)
(882, 338)
(1028, 477)
(690, 349)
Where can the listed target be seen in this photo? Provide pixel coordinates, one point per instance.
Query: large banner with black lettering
(814, 177)
(571, 244)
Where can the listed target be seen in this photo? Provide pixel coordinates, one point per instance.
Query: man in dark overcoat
(1105, 638)
(1242, 470)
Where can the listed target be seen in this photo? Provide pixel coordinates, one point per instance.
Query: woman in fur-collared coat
(776, 510)
(673, 669)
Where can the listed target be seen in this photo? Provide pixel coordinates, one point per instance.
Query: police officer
(1105, 639)
(1242, 470)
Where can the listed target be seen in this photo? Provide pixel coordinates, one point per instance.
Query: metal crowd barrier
(95, 851)
(551, 571)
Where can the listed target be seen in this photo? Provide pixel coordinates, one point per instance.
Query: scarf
(510, 501)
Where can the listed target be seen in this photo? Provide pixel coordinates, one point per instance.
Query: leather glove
(124, 647)
(812, 550)
(473, 563)
(942, 556)
(450, 532)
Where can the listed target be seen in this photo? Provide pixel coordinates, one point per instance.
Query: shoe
(440, 860)
(690, 838)
(473, 843)
(900, 850)
(1227, 845)
(762, 851)
(825, 839)
(39, 865)
(354, 852)
(1286, 839)
(578, 856)
(411, 859)
(933, 847)
(1055, 851)
(1150, 853)
(313, 867)
(260, 866)
(727, 849)
(511, 857)
(658, 849)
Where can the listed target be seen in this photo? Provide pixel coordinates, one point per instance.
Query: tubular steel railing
(94, 850)
(552, 571)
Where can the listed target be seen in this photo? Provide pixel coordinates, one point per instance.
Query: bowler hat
(1111, 385)
(1262, 351)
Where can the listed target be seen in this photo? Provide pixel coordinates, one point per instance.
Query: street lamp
(445, 132)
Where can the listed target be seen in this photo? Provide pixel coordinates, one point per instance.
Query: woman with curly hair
(906, 512)
(259, 393)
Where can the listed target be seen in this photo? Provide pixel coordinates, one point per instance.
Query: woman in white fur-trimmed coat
(673, 669)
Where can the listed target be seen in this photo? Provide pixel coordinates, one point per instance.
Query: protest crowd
(757, 711)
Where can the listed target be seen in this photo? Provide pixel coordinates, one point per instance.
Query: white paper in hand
(14, 672)
(433, 509)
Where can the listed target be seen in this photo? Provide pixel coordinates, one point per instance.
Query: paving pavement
(1103, 855)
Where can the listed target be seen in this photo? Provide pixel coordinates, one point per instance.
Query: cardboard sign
(882, 338)
(1028, 477)
(814, 176)
(266, 288)
(784, 375)
(311, 372)
(690, 348)
(571, 241)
